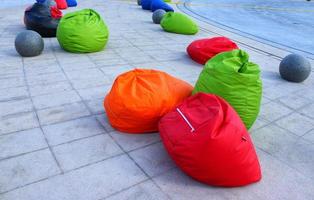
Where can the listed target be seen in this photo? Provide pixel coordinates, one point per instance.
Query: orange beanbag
(139, 98)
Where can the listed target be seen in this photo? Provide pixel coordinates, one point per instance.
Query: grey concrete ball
(294, 68)
(29, 43)
(139, 2)
(157, 16)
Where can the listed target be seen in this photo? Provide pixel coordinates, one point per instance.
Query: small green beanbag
(82, 32)
(178, 23)
(231, 76)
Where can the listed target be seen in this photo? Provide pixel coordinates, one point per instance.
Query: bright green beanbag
(167, 1)
(231, 76)
(82, 32)
(178, 23)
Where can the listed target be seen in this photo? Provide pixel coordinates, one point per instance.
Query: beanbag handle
(186, 120)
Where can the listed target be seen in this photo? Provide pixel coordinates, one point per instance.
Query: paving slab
(143, 191)
(153, 159)
(19, 171)
(21, 142)
(18, 122)
(56, 141)
(62, 113)
(92, 182)
(85, 151)
(72, 130)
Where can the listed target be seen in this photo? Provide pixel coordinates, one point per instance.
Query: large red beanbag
(209, 142)
(202, 50)
(61, 4)
(139, 98)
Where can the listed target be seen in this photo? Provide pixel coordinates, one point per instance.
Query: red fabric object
(202, 50)
(208, 141)
(55, 12)
(61, 4)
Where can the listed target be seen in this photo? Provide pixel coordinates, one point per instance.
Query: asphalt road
(288, 24)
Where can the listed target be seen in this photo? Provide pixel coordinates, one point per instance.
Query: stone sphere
(294, 68)
(139, 2)
(157, 16)
(29, 43)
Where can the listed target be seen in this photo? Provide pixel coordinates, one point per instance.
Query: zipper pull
(186, 120)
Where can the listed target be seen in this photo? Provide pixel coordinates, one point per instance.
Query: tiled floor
(56, 143)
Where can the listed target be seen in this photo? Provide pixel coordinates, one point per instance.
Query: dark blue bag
(160, 4)
(71, 3)
(146, 4)
(47, 2)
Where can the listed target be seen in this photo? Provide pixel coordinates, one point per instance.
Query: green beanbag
(82, 32)
(231, 76)
(178, 23)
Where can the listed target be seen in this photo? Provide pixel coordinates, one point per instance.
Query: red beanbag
(209, 142)
(61, 4)
(202, 50)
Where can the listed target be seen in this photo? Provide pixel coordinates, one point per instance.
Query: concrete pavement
(56, 143)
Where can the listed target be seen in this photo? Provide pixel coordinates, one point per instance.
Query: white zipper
(186, 120)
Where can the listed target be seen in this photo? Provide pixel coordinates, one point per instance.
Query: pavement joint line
(308, 133)
(22, 186)
(79, 139)
(93, 163)
(37, 117)
(125, 152)
(71, 84)
(286, 163)
(277, 100)
(156, 184)
(124, 189)
(13, 132)
(287, 130)
(21, 154)
(130, 157)
(17, 114)
(144, 146)
(144, 172)
(63, 173)
(54, 123)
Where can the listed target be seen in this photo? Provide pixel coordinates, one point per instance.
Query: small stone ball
(29, 43)
(157, 16)
(294, 68)
(139, 2)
